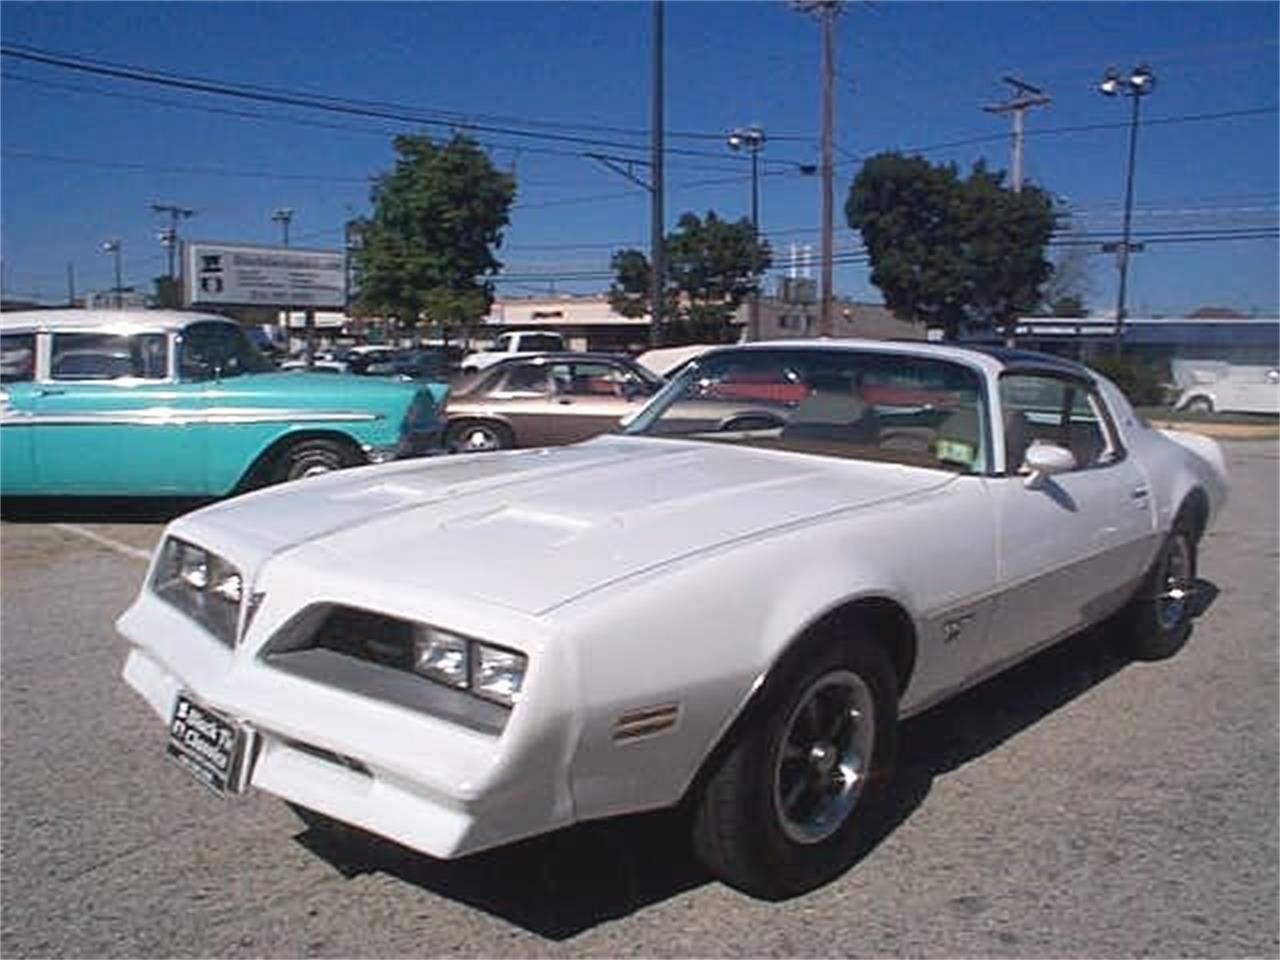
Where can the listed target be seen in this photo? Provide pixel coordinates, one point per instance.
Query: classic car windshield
(864, 405)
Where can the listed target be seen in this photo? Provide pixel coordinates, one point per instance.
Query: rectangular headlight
(202, 585)
(441, 656)
(497, 674)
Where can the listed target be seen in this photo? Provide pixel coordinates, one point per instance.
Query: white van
(1214, 385)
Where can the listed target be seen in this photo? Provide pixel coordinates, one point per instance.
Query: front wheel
(800, 788)
(1157, 621)
(1200, 405)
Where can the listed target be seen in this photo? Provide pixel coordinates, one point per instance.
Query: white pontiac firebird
(729, 603)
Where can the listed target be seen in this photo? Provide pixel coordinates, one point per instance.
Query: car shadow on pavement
(97, 509)
(564, 883)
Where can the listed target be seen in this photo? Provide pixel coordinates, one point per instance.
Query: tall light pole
(1140, 82)
(169, 235)
(282, 216)
(113, 247)
(752, 138)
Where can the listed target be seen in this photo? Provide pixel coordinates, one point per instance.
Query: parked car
(1214, 385)
(416, 364)
(461, 652)
(99, 402)
(516, 343)
(549, 398)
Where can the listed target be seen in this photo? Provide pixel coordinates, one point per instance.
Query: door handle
(565, 401)
(1140, 493)
(49, 391)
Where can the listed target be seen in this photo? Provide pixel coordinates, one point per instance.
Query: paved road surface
(1079, 806)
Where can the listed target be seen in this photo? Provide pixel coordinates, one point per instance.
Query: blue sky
(84, 156)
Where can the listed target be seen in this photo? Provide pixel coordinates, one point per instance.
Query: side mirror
(1044, 460)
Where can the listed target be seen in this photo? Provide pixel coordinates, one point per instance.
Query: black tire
(1157, 621)
(477, 436)
(310, 458)
(778, 815)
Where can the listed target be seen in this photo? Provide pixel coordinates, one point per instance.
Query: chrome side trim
(169, 416)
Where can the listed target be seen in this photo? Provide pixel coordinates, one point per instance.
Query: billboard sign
(246, 275)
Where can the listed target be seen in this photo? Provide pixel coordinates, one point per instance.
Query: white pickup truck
(510, 345)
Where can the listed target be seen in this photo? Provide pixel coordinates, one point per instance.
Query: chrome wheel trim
(1173, 585)
(315, 470)
(479, 438)
(823, 757)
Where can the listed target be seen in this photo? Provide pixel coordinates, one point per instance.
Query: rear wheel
(1157, 621)
(475, 436)
(791, 802)
(1200, 405)
(311, 458)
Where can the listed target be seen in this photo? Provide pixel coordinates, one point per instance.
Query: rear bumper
(415, 443)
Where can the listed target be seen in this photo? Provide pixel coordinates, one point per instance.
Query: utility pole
(282, 216)
(169, 235)
(1024, 97)
(657, 217)
(826, 11)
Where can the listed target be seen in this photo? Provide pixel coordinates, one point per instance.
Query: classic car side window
(109, 356)
(523, 378)
(17, 357)
(1055, 410)
(219, 349)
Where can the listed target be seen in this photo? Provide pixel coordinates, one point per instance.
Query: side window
(1059, 411)
(218, 349)
(17, 357)
(595, 380)
(108, 356)
(524, 378)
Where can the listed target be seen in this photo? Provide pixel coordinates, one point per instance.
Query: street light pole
(1140, 82)
(113, 247)
(752, 138)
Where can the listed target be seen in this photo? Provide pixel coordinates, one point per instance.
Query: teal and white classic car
(151, 402)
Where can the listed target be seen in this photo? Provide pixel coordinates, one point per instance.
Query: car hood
(532, 530)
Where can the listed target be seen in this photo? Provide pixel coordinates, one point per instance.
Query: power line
(293, 98)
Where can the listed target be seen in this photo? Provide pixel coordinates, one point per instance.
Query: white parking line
(133, 553)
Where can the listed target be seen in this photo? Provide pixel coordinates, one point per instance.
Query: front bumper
(429, 784)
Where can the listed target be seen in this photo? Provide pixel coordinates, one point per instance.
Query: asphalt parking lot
(1080, 805)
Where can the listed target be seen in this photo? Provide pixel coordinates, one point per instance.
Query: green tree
(428, 245)
(951, 252)
(713, 266)
(168, 295)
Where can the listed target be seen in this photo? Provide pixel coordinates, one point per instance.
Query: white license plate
(217, 751)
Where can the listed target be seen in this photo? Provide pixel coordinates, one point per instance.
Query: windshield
(853, 404)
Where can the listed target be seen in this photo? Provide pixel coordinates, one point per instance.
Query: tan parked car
(545, 399)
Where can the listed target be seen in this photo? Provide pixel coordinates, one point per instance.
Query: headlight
(497, 674)
(202, 585)
(493, 673)
(440, 656)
